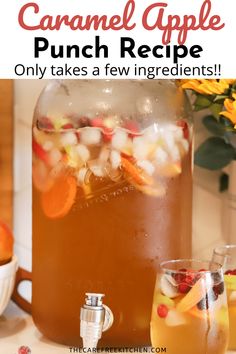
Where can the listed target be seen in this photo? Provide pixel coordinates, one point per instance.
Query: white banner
(117, 39)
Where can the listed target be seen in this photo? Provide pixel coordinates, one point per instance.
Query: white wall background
(207, 211)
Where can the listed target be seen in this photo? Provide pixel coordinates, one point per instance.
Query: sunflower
(230, 109)
(208, 87)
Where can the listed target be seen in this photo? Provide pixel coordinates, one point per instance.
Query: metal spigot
(95, 318)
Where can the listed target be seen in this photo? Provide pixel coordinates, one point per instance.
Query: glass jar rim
(218, 266)
(219, 249)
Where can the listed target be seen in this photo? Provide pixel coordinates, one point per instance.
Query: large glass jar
(112, 186)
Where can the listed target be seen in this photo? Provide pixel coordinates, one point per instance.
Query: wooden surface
(6, 150)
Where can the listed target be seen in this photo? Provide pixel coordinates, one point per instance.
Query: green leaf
(227, 123)
(220, 98)
(213, 125)
(234, 86)
(224, 182)
(202, 102)
(214, 154)
(216, 108)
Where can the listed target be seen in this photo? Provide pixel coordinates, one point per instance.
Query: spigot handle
(109, 318)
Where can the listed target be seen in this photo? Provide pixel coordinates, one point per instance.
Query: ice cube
(174, 153)
(90, 136)
(68, 139)
(54, 157)
(97, 170)
(175, 318)
(104, 154)
(140, 148)
(115, 159)
(168, 137)
(178, 133)
(175, 130)
(119, 140)
(151, 134)
(48, 145)
(161, 156)
(81, 175)
(185, 144)
(167, 288)
(83, 152)
(147, 166)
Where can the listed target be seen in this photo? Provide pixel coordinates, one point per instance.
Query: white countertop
(17, 329)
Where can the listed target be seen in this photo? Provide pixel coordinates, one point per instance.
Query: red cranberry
(107, 134)
(67, 126)
(162, 311)
(45, 123)
(219, 288)
(179, 277)
(133, 128)
(229, 272)
(190, 279)
(202, 270)
(216, 277)
(183, 270)
(205, 303)
(184, 288)
(83, 122)
(24, 350)
(234, 272)
(97, 123)
(184, 125)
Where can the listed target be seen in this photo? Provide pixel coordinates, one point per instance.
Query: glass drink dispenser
(112, 185)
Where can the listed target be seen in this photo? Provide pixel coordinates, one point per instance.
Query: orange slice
(140, 177)
(41, 177)
(58, 201)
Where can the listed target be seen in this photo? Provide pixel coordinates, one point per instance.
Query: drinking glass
(189, 313)
(226, 256)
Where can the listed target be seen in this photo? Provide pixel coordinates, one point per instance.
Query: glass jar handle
(21, 275)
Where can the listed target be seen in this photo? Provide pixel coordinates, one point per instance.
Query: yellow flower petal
(208, 87)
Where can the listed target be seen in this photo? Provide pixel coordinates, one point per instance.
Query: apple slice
(195, 295)
(40, 152)
(162, 299)
(222, 316)
(230, 281)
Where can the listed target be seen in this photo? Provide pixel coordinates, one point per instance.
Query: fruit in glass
(226, 256)
(189, 313)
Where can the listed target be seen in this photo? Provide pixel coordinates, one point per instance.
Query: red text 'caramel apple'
(6, 244)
